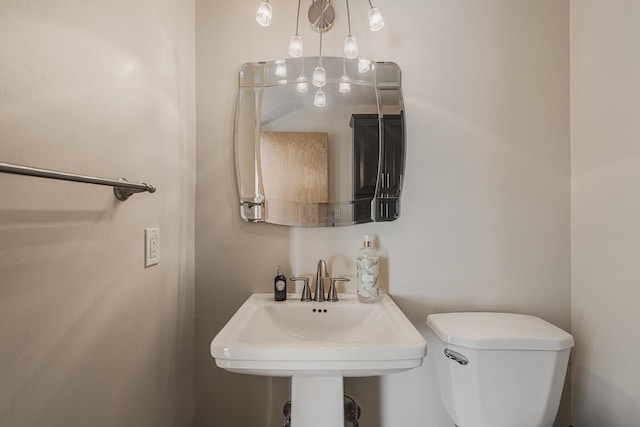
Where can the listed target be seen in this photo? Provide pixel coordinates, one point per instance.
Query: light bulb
(364, 65)
(281, 68)
(263, 16)
(295, 46)
(345, 84)
(320, 100)
(375, 19)
(301, 84)
(350, 47)
(319, 77)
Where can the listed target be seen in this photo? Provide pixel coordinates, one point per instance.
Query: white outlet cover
(151, 246)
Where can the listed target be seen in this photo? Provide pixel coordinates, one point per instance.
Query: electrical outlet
(151, 246)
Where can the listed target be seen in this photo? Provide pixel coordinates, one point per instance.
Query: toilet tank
(499, 369)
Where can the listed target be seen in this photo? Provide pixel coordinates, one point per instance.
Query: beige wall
(88, 336)
(485, 220)
(605, 173)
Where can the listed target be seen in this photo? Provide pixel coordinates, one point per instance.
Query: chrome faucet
(321, 273)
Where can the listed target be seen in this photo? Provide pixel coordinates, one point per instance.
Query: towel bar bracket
(123, 193)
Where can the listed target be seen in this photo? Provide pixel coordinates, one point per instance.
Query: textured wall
(89, 337)
(485, 220)
(605, 171)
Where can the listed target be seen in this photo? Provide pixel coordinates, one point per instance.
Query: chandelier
(321, 16)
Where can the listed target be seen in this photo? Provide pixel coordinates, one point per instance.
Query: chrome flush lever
(456, 357)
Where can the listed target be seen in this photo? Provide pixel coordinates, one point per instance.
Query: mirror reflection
(319, 157)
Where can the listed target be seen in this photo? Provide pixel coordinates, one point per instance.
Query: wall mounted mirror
(329, 159)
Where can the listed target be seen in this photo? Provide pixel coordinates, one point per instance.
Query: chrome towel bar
(121, 187)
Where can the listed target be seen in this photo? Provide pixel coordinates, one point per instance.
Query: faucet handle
(306, 291)
(333, 293)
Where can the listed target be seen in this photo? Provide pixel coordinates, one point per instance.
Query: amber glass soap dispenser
(280, 286)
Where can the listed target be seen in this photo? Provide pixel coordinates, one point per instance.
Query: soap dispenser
(280, 286)
(367, 271)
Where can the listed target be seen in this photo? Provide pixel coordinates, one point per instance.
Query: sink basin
(317, 344)
(266, 337)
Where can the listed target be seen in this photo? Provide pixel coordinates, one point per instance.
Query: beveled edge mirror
(300, 162)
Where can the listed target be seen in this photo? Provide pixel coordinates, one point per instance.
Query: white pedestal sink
(317, 344)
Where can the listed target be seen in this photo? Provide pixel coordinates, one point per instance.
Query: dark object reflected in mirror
(298, 164)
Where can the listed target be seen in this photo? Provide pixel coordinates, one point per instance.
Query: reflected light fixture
(281, 68)
(364, 65)
(263, 16)
(345, 81)
(320, 99)
(301, 81)
(345, 84)
(301, 84)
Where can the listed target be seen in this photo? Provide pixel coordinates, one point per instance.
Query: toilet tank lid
(499, 331)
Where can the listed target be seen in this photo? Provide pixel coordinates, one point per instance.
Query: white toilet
(499, 369)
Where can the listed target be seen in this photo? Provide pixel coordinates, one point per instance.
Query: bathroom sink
(317, 344)
(345, 338)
